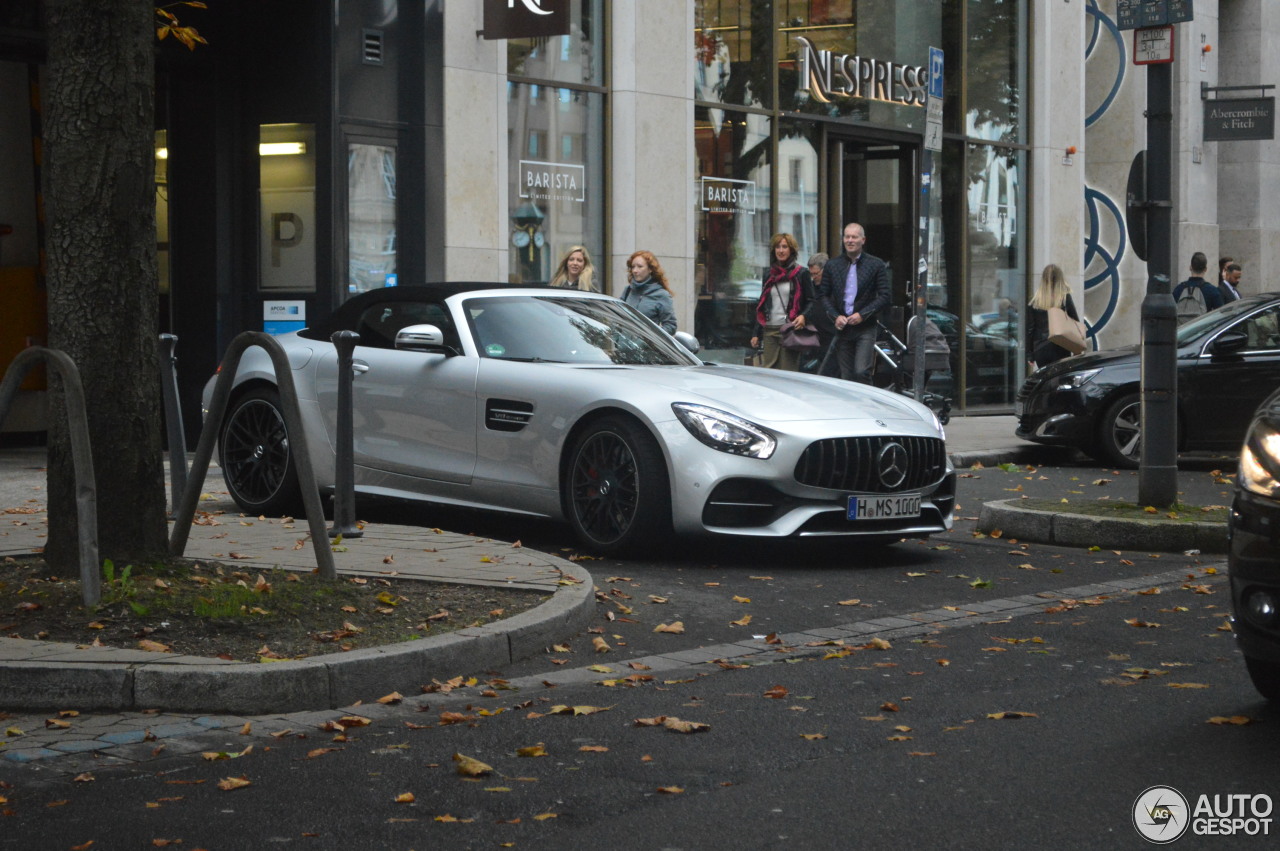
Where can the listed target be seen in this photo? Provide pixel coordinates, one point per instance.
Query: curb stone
(331, 681)
(1079, 530)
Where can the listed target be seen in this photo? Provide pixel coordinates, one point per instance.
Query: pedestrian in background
(648, 290)
(818, 319)
(1052, 292)
(1228, 286)
(575, 271)
(786, 294)
(854, 288)
(1195, 296)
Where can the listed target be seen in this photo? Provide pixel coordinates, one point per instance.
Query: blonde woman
(1052, 292)
(575, 271)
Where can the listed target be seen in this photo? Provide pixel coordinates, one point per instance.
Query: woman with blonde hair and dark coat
(1052, 292)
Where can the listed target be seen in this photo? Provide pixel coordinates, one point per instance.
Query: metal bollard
(1158, 468)
(344, 486)
(173, 420)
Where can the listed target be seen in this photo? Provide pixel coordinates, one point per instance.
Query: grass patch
(1181, 512)
(243, 614)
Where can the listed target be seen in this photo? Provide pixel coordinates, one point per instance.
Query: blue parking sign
(935, 72)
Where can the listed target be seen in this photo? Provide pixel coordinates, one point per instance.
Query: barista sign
(722, 195)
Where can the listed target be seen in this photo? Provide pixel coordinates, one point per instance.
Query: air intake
(371, 47)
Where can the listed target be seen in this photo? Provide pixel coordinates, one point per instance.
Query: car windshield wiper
(531, 360)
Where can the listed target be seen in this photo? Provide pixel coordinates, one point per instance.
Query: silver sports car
(574, 406)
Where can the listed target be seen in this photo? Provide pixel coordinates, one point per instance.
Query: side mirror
(1229, 342)
(421, 338)
(689, 341)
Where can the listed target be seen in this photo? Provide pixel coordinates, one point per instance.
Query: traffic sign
(933, 114)
(1153, 45)
(1134, 14)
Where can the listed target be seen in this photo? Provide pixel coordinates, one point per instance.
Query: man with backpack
(1194, 297)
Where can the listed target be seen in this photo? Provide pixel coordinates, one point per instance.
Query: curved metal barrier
(186, 510)
(81, 454)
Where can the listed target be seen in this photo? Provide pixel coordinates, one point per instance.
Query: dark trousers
(856, 351)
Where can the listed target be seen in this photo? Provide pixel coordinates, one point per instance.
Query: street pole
(1158, 467)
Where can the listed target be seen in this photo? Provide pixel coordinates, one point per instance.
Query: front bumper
(1254, 564)
(1057, 416)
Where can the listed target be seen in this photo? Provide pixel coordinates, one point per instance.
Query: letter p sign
(280, 223)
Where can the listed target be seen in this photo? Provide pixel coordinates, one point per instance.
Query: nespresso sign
(826, 75)
(525, 18)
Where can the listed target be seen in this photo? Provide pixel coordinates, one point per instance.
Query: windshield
(565, 329)
(1206, 322)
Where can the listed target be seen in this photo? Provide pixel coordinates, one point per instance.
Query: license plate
(884, 507)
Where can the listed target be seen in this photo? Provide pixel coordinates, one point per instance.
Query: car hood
(1093, 360)
(776, 395)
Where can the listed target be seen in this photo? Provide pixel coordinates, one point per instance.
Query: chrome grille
(851, 463)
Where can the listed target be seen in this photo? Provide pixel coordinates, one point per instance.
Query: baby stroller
(895, 365)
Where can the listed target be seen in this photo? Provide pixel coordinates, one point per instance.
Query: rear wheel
(1265, 676)
(257, 462)
(618, 499)
(1120, 434)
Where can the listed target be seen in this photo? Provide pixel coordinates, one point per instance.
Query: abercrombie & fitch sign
(826, 75)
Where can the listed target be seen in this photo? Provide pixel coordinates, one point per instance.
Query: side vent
(507, 415)
(371, 47)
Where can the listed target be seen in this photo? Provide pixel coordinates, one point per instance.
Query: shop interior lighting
(265, 149)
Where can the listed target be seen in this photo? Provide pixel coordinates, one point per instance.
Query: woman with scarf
(785, 296)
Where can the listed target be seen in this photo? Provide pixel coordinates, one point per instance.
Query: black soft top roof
(349, 312)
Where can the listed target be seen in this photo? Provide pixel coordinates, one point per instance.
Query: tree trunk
(99, 166)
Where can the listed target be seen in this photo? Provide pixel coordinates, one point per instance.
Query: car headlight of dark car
(724, 431)
(1260, 460)
(1074, 380)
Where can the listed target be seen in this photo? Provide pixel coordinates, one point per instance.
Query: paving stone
(77, 746)
(28, 754)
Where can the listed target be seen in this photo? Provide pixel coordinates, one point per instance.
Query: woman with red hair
(648, 290)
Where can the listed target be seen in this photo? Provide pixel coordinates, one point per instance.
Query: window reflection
(371, 216)
(733, 159)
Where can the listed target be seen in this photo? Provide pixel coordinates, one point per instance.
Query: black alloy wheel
(1120, 434)
(256, 459)
(618, 493)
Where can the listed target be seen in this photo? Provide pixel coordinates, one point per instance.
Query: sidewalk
(45, 674)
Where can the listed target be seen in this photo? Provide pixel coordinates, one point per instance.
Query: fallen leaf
(675, 628)
(813, 737)
(532, 750)
(545, 816)
(153, 646)
(1141, 623)
(577, 710)
(852, 602)
(777, 692)
(671, 790)
(470, 767)
(676, 725)
(593, 749)
(405, 798)
(228, 784)
(601, 645)
(1187, 685)
(877, 644)
(394, 697)
(1011, 716)
(743, 621)
(1234, 720)
(738, 599)
(86, 777)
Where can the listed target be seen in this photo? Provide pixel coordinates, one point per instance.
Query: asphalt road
(848, 748)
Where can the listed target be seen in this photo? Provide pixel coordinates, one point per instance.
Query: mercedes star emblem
(893, 465)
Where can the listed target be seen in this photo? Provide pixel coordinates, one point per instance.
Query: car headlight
(725, 432)
(1260, 460)
(1072, 380)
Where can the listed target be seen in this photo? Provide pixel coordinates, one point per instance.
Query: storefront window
(995, 76)
(798, 192)
(371, 216)
(572, 58)
(732, 60)
(287, 207)
(997, 272)
(556, 175)
(733, 153)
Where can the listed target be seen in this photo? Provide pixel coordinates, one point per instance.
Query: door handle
(359, 367)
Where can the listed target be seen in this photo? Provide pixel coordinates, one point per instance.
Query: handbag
(1065, 331)
(798, 339)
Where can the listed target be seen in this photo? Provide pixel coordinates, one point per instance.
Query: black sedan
(1228, 362)
(1255, 550)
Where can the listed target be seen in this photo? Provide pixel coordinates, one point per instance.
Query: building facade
(354, 144)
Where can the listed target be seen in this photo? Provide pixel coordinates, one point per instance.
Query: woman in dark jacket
(785, 296)
(1052, 292)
